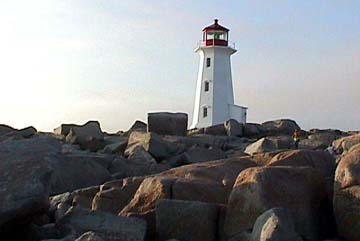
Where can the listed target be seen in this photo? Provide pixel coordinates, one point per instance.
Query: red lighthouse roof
(216, 26)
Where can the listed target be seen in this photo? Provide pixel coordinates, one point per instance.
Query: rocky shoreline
(159, 181)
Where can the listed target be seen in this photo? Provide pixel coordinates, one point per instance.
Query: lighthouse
(214, 99)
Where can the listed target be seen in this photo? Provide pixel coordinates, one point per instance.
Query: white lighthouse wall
(197, 104)
(223, 90)
(202, 98)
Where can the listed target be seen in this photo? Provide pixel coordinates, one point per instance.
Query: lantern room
(215, 35)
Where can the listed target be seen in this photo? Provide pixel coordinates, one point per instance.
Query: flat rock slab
(165, 123)
(107, 226)
(186, 220)
(24, 178)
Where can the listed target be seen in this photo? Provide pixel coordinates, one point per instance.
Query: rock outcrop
(184, 220)
(152, 143)
(107, 226)
(344, 144)
(261, 188)
(228, 182)
(280, 127)
(268, 144)
(165, 123)
(347, 195)
(234, 128)
(25, 180)
(276, 224)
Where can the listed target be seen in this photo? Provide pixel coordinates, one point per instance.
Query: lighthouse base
(236, 112)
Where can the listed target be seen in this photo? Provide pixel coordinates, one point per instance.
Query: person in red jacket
(296, 137)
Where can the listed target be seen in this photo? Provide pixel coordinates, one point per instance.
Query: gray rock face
(137, 126)
(320, 139)
(117, 147)
(88, 136)
(269, 144)
(5, 129)
(234, 128)
(275, 224)
(216, 130)
(107, 226)
(9, 133)
(123, 168)
(280, 127)
(115, 195)
(184, 220)
(165, 123)
(154, 144)
(24, 180)
(198, 154)
(73, 172)
(252, 130)
(28, 132)
(61, 203)
(206, 141)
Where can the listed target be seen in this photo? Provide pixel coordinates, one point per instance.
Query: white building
(214, 100)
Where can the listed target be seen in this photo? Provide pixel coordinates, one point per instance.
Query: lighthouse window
(208, 61)
(206, 86)
(205, 112)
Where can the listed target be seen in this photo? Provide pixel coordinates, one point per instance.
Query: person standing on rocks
(296, 137)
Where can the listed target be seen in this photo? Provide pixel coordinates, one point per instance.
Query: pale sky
(69, 61)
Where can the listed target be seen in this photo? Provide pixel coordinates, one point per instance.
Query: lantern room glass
(216, 35)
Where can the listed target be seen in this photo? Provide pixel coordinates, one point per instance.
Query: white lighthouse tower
(214, 100)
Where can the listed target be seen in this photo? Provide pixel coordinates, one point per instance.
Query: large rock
(347, 195)
(123, 168)
(165, 123)
(7, 132)
(320, 160)
(269, 144)
(25, 177)
(137, 126)
(207, 182)
(140, 156)
(217, 130)
(320, 139)
(262, 159)
(107, 226)
(4, 129)
(115, 195)
(300, 189)
(184, 220)
(234, 128)
(254, 130)
(116, 145)
(88, 136)
(61, 203)
(28, 132)
(206, 141)
(344, 144)
(280, 127)
(154, 144)
(73, 172)
(275, 225)
(200, 154)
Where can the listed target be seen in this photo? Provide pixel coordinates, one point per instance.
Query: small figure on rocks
(296, 137)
